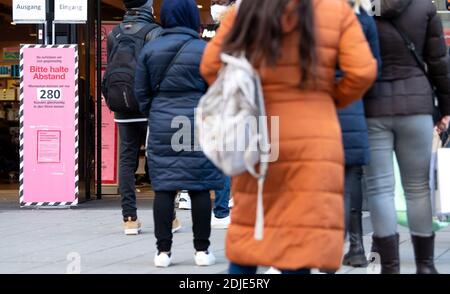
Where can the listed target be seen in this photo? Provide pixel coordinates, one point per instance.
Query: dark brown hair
(258, 32)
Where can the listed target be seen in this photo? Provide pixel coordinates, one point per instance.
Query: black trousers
(132, 136)
(163, 209)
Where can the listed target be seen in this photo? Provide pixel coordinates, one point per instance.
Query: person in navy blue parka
(356, 145)
(168, 87)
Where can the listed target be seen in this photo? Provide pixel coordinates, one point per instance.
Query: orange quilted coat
(303, 192)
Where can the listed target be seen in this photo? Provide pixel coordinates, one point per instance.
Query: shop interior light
(200, 6)
(13, 23)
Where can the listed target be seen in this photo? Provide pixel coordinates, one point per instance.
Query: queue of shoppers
(350, 89)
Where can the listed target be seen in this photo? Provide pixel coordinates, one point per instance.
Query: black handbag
(412, 48)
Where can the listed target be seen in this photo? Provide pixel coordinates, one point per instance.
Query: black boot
(424, 252)
(388, 248)
(355, 256)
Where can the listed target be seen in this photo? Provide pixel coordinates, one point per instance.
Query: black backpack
(118, 81)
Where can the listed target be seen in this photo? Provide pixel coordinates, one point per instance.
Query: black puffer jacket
(403, 89)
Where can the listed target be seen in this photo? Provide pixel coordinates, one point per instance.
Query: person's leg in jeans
(236, 269)
(414, 136)
(380, 181)
(380, 185)
(353, 191)
(163, 207)
(222, 199)
(353, 217)
(201, 219)
(130, 143)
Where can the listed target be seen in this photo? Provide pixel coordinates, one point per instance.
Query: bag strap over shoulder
(174, 59)
(412, 48)
(422, 65)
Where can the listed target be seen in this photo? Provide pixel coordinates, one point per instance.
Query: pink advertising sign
(49, 125)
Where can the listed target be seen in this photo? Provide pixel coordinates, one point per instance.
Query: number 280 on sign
(49, 94)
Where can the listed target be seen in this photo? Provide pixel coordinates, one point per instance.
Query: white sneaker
(220, 223)
(273, 271)
(185, 201)
(204, 258)
(162, 260)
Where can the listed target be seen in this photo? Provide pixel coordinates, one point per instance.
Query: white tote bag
(442, 195)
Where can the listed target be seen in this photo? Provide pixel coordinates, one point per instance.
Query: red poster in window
(109, 162)
(447, 36)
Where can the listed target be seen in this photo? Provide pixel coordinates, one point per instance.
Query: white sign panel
(29, 11)
(71, 11)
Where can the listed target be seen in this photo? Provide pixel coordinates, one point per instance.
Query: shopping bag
(442, 194)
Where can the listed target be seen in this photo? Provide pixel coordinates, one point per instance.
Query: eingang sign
(71, 11)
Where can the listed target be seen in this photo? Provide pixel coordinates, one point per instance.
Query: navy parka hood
(180, 13)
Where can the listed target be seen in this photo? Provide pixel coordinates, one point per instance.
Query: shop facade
(97, 133)
(98, 136)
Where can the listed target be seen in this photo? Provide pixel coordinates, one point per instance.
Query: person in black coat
(356, 145)
(399, 111)
(168, 87)
(138, 23)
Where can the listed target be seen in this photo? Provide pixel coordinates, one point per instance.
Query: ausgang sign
(29, 11)
(70, 11)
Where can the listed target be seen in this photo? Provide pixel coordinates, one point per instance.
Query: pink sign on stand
(49, 125)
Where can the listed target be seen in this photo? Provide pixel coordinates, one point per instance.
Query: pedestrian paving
(45, 241)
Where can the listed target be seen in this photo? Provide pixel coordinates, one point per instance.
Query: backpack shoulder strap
(153, 34)
(117, 31)
(145, 30)
(180, 50)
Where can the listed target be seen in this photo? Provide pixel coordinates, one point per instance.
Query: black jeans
(353, 191)
(163, 208)
(132, 136)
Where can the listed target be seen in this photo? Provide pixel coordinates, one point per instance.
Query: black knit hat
(134, 3)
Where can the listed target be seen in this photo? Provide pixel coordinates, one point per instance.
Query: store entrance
(11, 38)
(12, 35)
